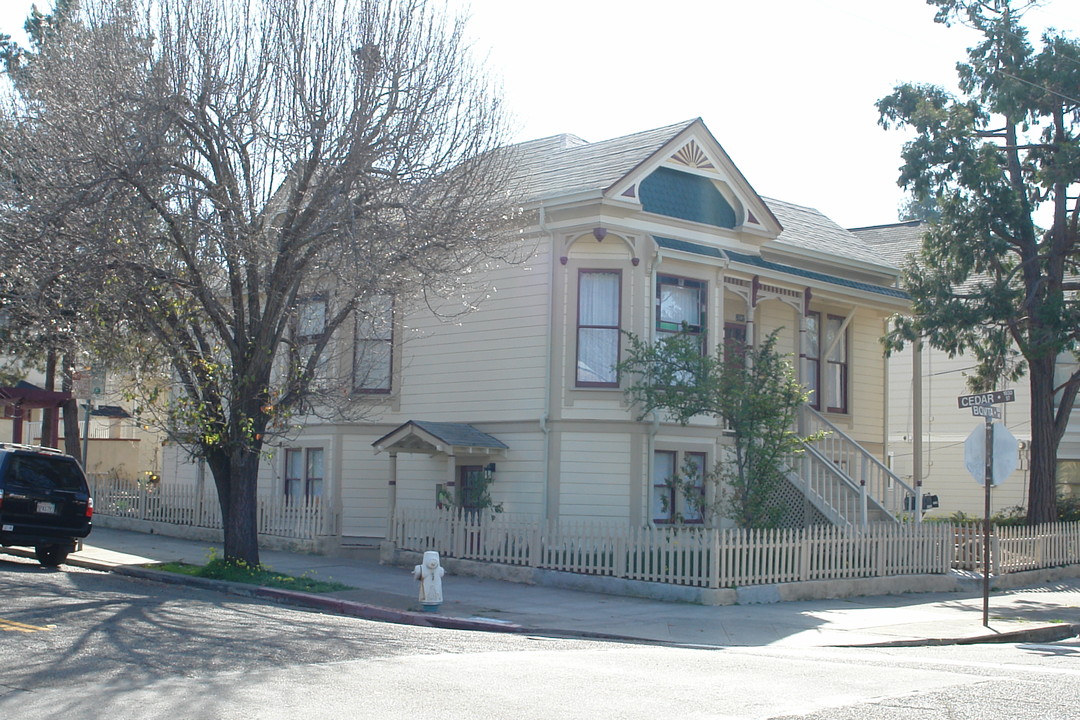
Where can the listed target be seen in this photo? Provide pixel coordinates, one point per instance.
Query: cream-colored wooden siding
(490, 362)
(774, 314)
(866, 384)
(595, 476)
(946, 427)
(177, 467)
(519, 476)
(365, 479)
(957, 489)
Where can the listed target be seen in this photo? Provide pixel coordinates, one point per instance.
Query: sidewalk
(1034, 614)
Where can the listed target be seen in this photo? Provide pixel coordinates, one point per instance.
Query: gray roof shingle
(807, 228)
(566, 164)
(459, 434)
(895, 242)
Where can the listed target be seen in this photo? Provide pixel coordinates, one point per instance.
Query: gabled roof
(438, 437)
(566, 164)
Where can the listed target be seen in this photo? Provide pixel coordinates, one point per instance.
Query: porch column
(391, 497)
(916, 426)
(803, 335)
(451, 473)
(17, 423)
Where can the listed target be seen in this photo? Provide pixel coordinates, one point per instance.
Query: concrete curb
(1041, 633)
(317, 602)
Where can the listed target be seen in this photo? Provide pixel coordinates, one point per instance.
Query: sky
(787, 87)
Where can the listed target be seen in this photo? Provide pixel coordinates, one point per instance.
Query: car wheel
(51, 555)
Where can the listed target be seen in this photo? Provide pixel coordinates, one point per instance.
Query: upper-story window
(311, 318)
(827, 378)
(598, 327)
(374, 348)
(310, 328)
(680, 306)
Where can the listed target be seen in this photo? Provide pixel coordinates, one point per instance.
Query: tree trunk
(71, 429)
(48, 415)
(72, 445)
(1042, 485)
(236, 478)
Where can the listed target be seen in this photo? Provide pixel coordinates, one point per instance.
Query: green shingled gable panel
(685, 196)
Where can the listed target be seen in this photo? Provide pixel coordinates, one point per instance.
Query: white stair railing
(880, 492)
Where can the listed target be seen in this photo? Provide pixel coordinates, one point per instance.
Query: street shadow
(117, 636)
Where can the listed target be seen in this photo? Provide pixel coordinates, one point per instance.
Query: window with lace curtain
(598, 327)
(680, 307)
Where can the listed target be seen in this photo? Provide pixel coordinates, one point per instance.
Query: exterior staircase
(847, 484)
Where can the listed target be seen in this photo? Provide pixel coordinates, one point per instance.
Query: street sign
(986, 398)
(81, 385)
(1006, 454)
(986, 411)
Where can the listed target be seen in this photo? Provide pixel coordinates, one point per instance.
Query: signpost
(989, 459)
(86, 384)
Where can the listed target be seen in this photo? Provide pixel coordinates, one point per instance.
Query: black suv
(44, 501)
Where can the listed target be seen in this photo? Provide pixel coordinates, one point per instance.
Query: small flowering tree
(753, 390)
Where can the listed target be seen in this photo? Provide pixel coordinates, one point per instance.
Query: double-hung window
(311, 319)
(310, 328)
(374, 348)
(303, 474)
(827, 377)
(598, 326)
(680, 307)
(670, 501)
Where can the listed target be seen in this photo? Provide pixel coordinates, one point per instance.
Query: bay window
(680, 307)
(598, 327)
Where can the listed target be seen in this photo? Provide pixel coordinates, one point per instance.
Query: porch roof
(756, 261)
(417, 436)
(26, 395)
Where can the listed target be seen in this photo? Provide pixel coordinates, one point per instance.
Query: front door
(471, 487)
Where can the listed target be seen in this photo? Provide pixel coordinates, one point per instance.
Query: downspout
(654, 423)
(545, 428)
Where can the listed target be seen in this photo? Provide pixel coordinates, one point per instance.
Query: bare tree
(253, 177)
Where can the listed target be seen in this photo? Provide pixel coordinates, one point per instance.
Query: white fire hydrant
(430, 574)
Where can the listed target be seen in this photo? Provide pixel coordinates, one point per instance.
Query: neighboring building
(945, 426)
(642, 234)
(117, 445)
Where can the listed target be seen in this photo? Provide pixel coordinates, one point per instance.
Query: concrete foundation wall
(749, 595)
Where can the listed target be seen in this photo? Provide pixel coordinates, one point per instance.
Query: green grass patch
(218, 569)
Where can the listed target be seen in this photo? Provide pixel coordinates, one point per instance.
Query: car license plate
(46, 508)
(7, 528)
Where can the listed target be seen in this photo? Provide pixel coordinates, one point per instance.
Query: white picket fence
(1029, 548)
(680, 555)
(186, 506)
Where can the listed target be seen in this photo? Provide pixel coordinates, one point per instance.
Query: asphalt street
(81, 643)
